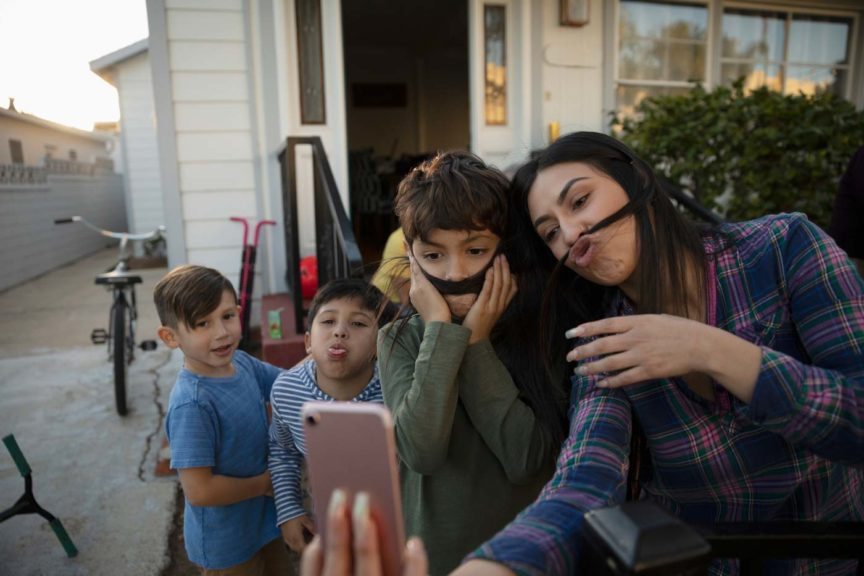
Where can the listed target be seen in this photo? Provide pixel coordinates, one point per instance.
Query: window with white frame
(666, 46)
(662, 49)
(787, 51)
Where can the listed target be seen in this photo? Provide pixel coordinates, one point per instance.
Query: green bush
(748, 154)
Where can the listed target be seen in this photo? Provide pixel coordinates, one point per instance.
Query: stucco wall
(33, 245)
(35, 139)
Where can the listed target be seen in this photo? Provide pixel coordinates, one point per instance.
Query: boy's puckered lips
(337, 351)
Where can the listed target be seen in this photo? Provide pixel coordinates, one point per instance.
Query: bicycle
(120, 336)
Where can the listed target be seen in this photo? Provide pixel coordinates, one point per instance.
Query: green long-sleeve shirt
(472, 453)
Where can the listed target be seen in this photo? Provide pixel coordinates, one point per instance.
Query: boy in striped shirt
(341, 342)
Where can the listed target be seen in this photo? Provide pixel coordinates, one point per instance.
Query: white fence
(31, 244)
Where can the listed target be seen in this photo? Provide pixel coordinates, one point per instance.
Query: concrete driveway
(91, 468)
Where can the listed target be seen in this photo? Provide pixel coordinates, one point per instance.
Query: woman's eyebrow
(562, 195)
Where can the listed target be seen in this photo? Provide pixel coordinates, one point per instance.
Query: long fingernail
(337, 501)
(574, 332)
(414, 546)
(361, 515)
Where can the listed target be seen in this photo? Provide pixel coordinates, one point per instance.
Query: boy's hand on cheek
(425, 298)
(499, 289)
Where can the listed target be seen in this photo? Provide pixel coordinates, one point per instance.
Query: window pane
(814, 79)
(756, 75)
(819, 40)
(641, 59)
(753, 35)
(644, 59)
(496, 63)
(686, 62)
(628, 97)
(311, 62)
(16, 151)
(660, 20)
(661, 41)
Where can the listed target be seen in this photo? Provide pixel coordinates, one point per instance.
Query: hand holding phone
(352, 544)
(351, 448)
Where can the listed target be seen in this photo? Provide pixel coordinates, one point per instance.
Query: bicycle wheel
(118, 342)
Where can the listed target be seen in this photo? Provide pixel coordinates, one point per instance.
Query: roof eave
(104, 65)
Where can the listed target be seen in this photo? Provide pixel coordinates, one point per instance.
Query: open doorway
(406, 79)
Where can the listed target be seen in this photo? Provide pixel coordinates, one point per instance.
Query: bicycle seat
(118, 278)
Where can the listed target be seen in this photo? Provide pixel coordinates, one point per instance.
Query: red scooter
(247, 274)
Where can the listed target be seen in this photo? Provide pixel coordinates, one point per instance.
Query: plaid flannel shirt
(795, 452)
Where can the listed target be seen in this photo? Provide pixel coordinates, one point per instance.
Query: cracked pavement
(91, 468)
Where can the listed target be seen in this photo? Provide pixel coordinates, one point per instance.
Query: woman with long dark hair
(737, 350)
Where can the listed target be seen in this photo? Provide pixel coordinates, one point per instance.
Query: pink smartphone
(350, 445)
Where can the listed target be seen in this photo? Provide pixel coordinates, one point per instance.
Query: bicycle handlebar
(108, 233)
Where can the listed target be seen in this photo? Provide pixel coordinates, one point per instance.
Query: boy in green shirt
(472, 451)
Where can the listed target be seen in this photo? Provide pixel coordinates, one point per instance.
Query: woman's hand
(633, 349)
(354, 542)
(425, 298)
(499, 288)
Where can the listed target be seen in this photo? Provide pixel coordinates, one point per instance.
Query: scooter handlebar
(17, 455)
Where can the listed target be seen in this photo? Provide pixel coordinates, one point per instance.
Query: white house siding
(208, 61)
(197, 87)
(144, 190)
(33, 245)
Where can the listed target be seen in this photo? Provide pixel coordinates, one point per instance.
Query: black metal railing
(337, 251)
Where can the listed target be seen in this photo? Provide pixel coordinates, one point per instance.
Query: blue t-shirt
(222, 423)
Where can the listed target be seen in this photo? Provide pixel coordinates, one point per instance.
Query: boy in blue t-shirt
(341, 342)
(217, 427)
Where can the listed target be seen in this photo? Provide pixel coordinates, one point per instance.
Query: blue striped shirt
(292, 389)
